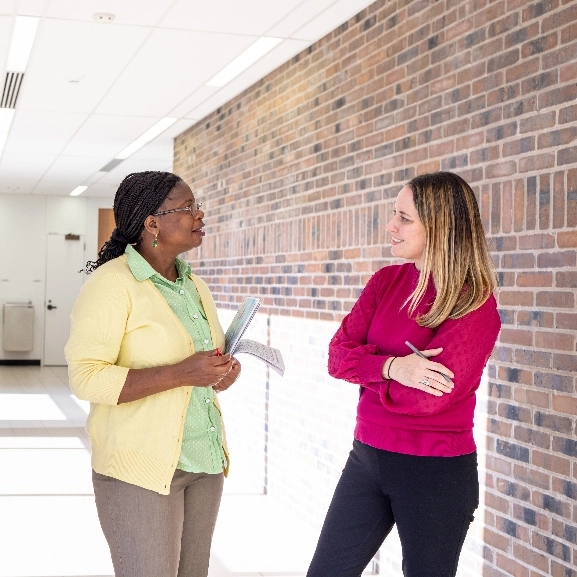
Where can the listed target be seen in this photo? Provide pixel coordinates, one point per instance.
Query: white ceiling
(152, 61)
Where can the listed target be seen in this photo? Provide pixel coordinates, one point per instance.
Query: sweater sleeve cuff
(369, 368)
(97, 386)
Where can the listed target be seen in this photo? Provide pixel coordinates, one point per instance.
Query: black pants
(430, 499)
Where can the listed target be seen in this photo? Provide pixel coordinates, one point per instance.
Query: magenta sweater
(392, 416)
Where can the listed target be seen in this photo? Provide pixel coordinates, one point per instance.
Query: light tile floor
(48, 521)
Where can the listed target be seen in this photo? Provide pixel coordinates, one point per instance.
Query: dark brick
(568, 114)
(553, 422)
(529, 516)
(512, 451)
(407, 55)
(500, 132)
(502, 60)
(433, 42)
(565, 362)
(547, 260)
(515, 413)
(510, 527)
(339, 103)
(569, 489)
(558, 96)
(554, 382)
(567, 156)
(552, 547)
(537, 83)
(565, 446)
(533, 437)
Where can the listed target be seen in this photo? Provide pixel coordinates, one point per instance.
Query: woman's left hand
(229, 378)
(419, 373)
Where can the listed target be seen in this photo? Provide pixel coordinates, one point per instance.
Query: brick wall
(298, 174)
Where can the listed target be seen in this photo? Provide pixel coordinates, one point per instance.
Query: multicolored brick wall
(298, 175)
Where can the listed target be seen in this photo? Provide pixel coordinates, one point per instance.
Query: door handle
(50, 306)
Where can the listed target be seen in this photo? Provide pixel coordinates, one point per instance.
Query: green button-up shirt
(201, 450)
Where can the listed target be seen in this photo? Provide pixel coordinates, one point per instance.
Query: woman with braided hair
(144, 350)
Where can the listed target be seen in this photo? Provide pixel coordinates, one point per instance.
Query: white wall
(25, 222)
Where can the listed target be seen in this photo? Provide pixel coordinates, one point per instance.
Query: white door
(64, 258)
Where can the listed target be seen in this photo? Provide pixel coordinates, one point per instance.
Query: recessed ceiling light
(149, 135)
(22, 40)
(78, 190)
(103, 17)
(244, 60)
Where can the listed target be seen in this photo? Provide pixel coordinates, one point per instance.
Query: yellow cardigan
(120, 323)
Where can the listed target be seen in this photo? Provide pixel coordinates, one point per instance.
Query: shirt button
(213, 429)
(181, 292)
(207, 400)
(194, 316)
(206, 341)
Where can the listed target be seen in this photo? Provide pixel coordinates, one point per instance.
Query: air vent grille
(112, 164)
(12, 84)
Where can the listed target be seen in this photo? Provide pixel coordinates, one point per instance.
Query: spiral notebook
(240, 323)
(233, 343)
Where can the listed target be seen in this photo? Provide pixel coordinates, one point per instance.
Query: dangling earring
(155, 241)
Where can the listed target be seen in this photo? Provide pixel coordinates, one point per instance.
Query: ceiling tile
(132, 164)
(42, 133)
(5, 29)
(162, 148)
(7, 6)
(33, 166)
(140, 13)
(299, 17)
(56, 187)
(16, 185)
(107, 189)
(170, 66)
(269, 62)
(197, 97)
(256, 16)
(31, 7)
(96, 51)
(74, 167)
(94, 178)
(105, 136)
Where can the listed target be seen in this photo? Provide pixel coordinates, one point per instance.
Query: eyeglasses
(193, 209)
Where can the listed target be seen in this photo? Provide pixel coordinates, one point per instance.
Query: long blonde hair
(455, 252)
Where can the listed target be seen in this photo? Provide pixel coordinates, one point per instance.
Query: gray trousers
(153, 535)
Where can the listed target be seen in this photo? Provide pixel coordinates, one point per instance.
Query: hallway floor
(48, 521)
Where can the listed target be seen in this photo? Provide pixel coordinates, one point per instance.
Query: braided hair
(139, 195)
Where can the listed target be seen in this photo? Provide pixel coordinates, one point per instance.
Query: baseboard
(20, 362)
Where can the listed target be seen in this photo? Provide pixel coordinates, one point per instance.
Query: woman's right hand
(412, 370)
(203, 369)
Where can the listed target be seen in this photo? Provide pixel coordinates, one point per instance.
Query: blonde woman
(413, 462)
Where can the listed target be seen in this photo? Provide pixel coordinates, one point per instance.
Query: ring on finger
(426, 382)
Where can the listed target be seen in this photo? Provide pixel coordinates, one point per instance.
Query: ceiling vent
(12, 84)
(112, 164)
